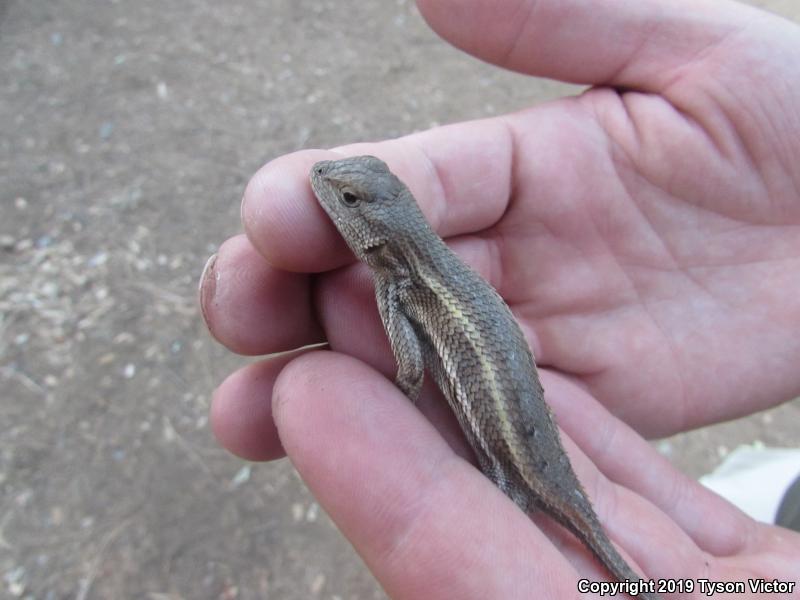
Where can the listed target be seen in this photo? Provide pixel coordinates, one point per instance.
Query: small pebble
(106, 358)
(665, 448)
(297, 512)
(98, 259)
(44, 241)
(317, 584)
(242, 476)
(312, 513)
(106, 129)
(50, 289)
(23, 245)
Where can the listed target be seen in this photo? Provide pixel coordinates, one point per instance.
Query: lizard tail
(595, 538)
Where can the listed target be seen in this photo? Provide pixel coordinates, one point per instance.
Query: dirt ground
(129, 130)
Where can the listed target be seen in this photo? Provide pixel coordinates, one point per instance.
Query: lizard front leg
(405, 344)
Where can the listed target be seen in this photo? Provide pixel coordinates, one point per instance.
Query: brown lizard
(440, 315)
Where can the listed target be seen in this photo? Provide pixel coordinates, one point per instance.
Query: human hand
(647, 242)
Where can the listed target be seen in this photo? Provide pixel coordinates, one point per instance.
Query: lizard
(440, 315)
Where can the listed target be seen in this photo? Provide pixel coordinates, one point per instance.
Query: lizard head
(367, 203)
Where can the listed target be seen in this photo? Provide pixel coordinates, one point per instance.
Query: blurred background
(128, 131)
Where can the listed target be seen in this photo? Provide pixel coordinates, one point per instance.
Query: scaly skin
(440, 315)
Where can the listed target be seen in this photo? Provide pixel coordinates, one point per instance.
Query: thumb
(640, 44)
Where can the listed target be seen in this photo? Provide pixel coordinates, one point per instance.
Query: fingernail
(208, 286)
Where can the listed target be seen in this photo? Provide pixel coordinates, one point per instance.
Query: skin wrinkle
(686, 77)
(625, 99)
(628, 195)
(528, 7)
(503, 228)
(631, 201)
(491, 243)
(788, 100)
(697, 281)
(653, 230)
(414, 514)
(512, 151)
(529, 332)
(493, 271)
(716, 95)
(638, 172)
(727, 146)
(618, 74)
(602, 443)
(708, 264)
(627, 473)
(677, 265)
(740, 137)
(608, 501)
(795, 183)
(585, 373)
(682, 396)
(679, 492)
(586, 305)
(497, 250)
(440, 194)
(689, 66)
(315, 299)
(442, 214)
(513, 158)
(775, 191)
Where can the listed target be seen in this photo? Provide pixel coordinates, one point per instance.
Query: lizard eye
(349, 198)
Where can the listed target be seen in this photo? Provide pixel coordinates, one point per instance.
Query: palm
(647, 242)
(628, 261)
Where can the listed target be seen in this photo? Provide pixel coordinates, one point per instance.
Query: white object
(755, 479)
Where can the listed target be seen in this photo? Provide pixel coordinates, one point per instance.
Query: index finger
(460, 175)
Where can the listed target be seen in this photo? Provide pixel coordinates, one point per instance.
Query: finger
(459, 174)
(625, 458)
(643, 44)
(241, 410)
(426, 522)
(253, 308)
